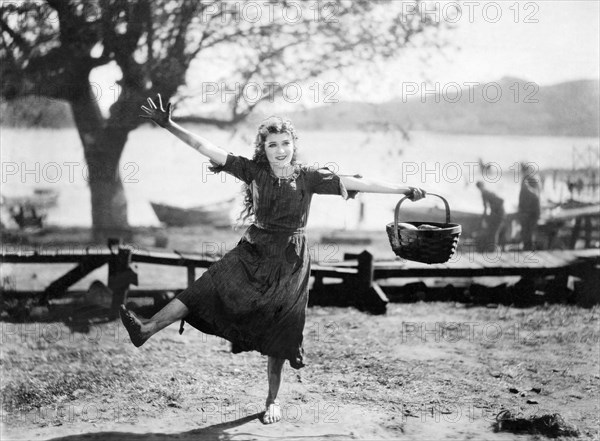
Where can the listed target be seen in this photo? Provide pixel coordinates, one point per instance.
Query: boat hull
(218, 215)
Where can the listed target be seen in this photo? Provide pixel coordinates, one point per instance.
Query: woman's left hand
(414, 193)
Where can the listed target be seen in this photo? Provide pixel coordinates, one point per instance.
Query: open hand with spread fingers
(159, 115)
(414, 193)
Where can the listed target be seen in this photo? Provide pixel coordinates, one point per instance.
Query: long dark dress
(256, 295)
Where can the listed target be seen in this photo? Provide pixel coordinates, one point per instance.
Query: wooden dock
(357, 277)
(559, 264)
(507, 263)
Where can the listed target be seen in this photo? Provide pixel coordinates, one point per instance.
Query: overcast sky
(545, 42)
(563, 45)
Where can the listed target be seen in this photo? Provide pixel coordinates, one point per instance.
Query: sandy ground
(423, 371)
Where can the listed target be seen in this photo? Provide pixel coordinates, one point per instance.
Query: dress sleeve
(237, 166)
(324, 181)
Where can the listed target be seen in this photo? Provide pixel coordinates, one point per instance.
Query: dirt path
(333, 422)
(347, 422)
(406, 375)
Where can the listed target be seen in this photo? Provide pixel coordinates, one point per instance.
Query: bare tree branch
(154, 43)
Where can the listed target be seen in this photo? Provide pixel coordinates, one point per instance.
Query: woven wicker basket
(427, 246)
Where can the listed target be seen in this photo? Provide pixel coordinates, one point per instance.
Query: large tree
(50, 47)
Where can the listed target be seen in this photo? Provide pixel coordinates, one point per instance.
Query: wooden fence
(357, 276)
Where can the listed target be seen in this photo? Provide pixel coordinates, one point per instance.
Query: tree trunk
(109, 206)
(103, 146)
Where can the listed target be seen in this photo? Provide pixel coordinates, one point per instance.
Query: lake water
(157, 167)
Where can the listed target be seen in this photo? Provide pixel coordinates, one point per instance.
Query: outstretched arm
(369, 185)
(162, 117)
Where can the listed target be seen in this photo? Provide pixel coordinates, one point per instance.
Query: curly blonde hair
(273, 124)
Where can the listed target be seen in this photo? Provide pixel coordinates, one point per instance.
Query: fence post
(365, 270)
(588, 231)
(120, 276)
(191, 275)
(368, 295)
(575, 232)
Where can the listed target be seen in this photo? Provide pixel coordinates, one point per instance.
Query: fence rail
(358, 273)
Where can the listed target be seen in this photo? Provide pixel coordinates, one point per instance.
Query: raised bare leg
(273, 410)
(141, 330)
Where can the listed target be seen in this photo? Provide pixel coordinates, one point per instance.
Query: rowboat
(29, 211)
(469, 220)
(217, 214)
(41, 199)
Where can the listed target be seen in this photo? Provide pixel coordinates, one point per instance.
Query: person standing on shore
(492, 222)
(256, 295)
(529, 207)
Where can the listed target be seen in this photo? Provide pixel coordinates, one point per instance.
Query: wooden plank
(395, 264)
(330, 271)
(388, 272)
(553, 259)
(465, 259)
(530, 259)
(440, 266)
(571, 213)
(63, 283)
(133, 293)
(393, 269)
(572, 256)
(486, 260)
(173, 259)
(590, 252)
(73, 256)
(533, 259)
(507, 259)
(342, 264)
(468, 264)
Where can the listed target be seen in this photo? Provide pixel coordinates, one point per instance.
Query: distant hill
(565, 109)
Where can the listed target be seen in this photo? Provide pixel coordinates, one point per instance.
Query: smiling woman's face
(279, 148)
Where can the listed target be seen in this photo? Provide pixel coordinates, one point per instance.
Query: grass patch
(51, 387)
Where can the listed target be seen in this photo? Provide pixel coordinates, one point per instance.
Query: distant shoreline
(188, 122)
(523, 108)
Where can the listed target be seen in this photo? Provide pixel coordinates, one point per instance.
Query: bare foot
(273, 413)
(134, 326)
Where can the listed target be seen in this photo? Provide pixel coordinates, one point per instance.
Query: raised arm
(369, 185)
(162, 117)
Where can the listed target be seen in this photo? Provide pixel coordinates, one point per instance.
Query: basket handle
(397, 212)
